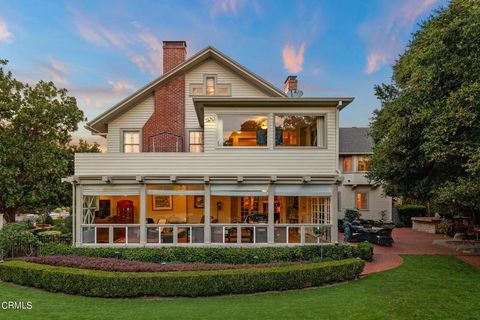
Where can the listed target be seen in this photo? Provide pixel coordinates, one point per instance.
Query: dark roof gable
(355, 141)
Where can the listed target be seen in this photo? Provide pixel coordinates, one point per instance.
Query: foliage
(16, 239)
(45, 218)
(188, 283)
(352, 214)
(229, 255)
(63, 225)
(415, 286)
(407, 211)
(118, 265)
(378, 223)
(366, 250)
(426, 134)
(444, 226)
(36, 122)
(50, 233)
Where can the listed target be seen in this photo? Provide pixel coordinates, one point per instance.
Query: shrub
(16, 240)
(112, 264)
(230, 255)
(352, 214)
(366, 250)
(378, 223)
(188, 283)
(406, 212)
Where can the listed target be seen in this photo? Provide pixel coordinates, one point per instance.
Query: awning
(110, 191)
(239, 190)
(301, 190)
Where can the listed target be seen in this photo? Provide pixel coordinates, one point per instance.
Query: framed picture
(198, 202)
(161, 203)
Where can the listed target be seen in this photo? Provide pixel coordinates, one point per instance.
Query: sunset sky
(102, 51)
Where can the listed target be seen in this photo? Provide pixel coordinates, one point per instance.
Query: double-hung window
(131, 141)
(361, 200)
(196, 141)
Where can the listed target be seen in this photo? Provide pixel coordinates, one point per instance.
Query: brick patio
(408, 241)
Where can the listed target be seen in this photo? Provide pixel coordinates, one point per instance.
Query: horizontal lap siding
(134, 118)
(240, 87)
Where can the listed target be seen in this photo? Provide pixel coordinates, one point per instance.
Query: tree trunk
(10, 214)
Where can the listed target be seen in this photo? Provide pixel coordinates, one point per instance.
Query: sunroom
(204, 214)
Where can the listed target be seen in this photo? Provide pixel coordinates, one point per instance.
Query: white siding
(377, 202)
(134, 118)
(240, 87)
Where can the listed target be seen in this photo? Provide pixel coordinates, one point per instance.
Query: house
(210, 153)
(356, 191)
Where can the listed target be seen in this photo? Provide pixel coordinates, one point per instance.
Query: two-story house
(356, 191)
(210, 153)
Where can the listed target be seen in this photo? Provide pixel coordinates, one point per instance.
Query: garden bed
(189, 283)
(118, 265)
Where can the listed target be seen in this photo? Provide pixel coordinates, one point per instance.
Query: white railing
(185, 234)
(173, 234)
(110, 234)
(239, 233)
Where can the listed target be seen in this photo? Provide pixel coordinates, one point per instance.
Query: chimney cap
(290, 78)
(175, 43)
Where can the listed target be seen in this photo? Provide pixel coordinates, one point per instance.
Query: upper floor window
(300, 131)
(347, 164)
(196, 141)
(210, 87)
(364, 163)
(131, 141)
(243, 130)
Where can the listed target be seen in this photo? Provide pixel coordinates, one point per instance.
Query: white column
(78, 214)
(1, 221)
(143, 214)
(207, 234)
(334, 212)
(271, 214)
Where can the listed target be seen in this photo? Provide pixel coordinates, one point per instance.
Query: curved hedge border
(229, 255)
(192, 284)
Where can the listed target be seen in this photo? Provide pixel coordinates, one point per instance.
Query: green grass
(424, 287)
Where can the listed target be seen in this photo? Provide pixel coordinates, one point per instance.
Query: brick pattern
(173, 55)
(165, 130)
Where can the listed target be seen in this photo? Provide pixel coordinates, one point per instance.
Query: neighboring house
(356, 191)
(210, 154)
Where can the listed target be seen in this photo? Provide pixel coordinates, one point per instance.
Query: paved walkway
(408, 241)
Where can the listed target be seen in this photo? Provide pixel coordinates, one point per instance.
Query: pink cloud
(293, 58)
(225, 7)
(385, 35)
(56, 71)
(5, 35)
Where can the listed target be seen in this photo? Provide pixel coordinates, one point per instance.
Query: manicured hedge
(190, 283)
(407, 211)
(231, 255)
(366, 250)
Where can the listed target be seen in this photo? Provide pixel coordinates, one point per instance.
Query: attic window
(210, 87)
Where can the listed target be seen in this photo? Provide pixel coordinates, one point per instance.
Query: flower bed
(118, 265)
(229, 255)
(189, 283)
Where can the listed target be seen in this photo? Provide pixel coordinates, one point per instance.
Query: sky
(103, 51)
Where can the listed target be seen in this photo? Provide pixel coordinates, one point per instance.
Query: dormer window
(210, 87)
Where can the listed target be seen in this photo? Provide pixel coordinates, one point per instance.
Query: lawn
(424, 287)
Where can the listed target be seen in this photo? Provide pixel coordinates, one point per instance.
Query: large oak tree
(36, 122)
(427, 133)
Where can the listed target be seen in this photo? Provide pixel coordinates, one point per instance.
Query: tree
(427, 133)
(35, 126)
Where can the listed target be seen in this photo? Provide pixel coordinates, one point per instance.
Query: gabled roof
(98, 125)
(355, 141)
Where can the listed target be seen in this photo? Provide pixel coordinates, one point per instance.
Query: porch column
(206, 228)
(143, 214)
(334, 212)
(78, 214)
(271, 214)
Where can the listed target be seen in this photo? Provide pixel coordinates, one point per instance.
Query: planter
(425, 224)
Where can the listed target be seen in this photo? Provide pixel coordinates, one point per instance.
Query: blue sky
(103, 51)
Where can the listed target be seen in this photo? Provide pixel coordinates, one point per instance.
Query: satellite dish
(293, 93)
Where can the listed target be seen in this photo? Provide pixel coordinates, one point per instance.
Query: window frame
(321, 132)
(217, 86)
(367, 201)
(122, 139)
(351, 164)
(220, 130)
(362, 157)
(196, 144)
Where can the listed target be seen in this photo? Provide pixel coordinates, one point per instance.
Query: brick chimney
(165, 130)
(290, 84)
(174, 53)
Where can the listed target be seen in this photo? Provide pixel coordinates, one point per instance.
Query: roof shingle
(355, 141)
